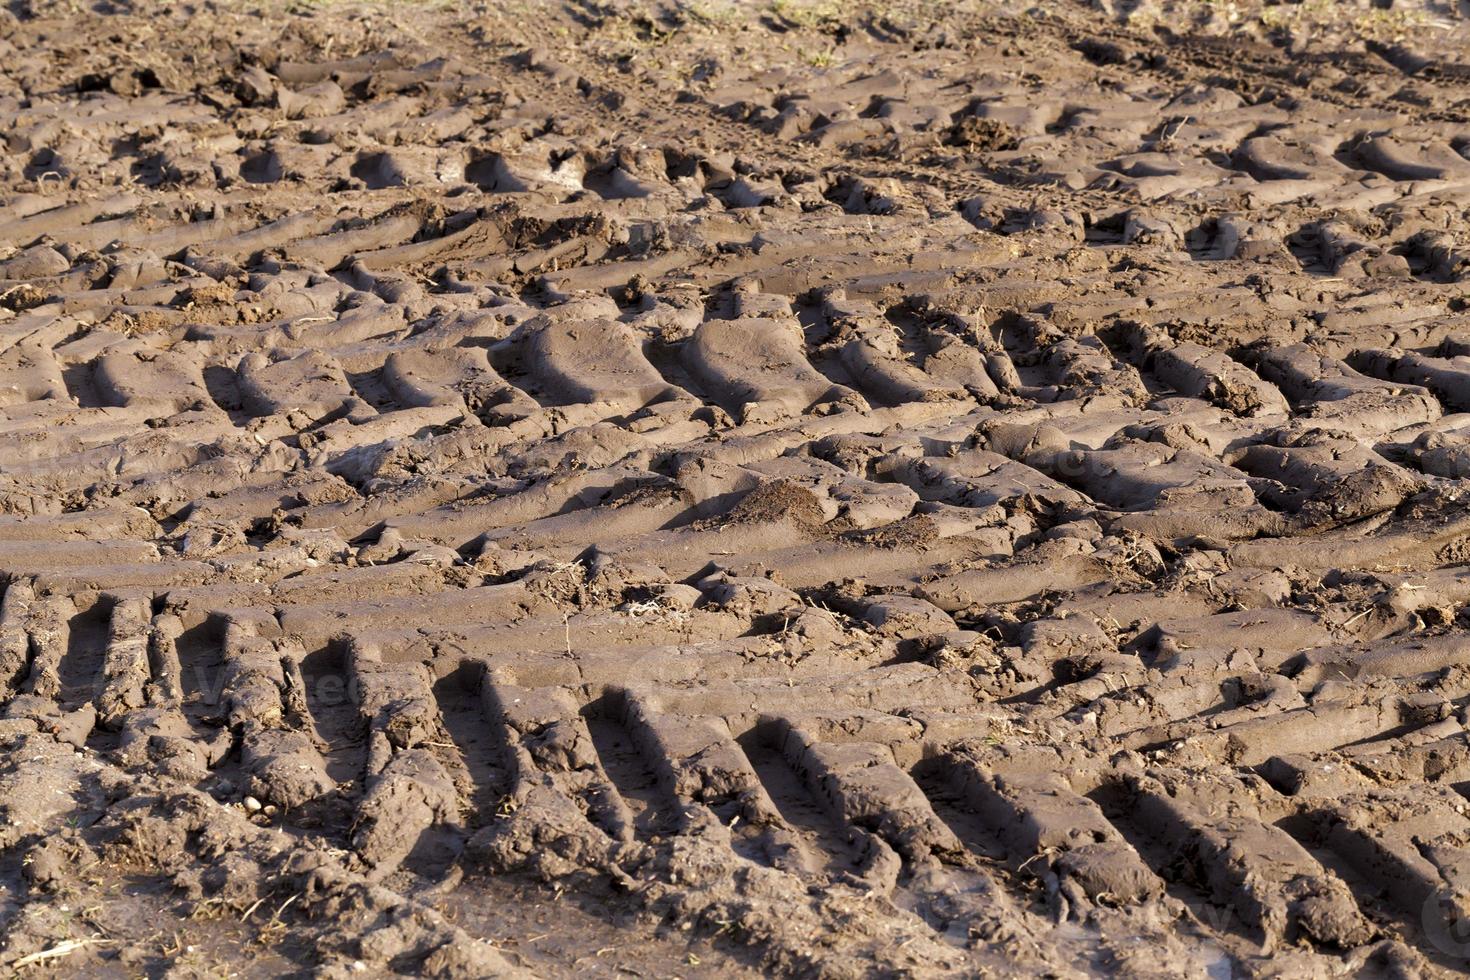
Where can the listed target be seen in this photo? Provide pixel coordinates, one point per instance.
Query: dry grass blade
(61, 949)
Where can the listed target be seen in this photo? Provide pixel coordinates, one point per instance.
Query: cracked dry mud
(703, 490)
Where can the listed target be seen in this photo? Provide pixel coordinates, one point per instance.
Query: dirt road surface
(704, 489)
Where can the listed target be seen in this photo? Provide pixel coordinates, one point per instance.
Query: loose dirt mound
(704, 490)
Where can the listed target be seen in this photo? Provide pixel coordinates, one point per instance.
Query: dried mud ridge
(845, 497)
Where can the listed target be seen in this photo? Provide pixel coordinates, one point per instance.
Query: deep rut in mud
(703, 489)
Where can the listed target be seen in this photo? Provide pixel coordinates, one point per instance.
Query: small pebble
(252, 804)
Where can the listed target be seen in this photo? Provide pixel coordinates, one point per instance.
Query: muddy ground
(693, 489)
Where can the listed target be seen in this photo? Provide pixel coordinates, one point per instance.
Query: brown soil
(693, 489)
